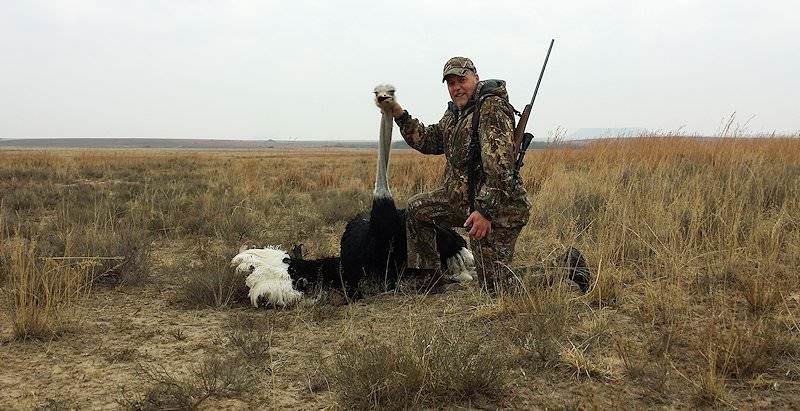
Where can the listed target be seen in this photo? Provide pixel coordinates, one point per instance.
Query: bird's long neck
(384, 145)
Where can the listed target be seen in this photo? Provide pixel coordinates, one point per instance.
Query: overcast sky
(305, 69)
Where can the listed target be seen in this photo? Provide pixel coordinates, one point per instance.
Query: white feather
(268, 276)
(462, 266)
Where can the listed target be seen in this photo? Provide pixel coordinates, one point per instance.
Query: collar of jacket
(484, 88)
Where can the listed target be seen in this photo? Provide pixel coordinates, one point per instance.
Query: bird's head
(384, 93)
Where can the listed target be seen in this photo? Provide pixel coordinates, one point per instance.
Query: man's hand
(478, 225)
(390, 106)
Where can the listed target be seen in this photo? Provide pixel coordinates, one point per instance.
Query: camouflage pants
(493, 254)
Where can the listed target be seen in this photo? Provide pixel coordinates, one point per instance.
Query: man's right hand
(391, 107)
(478, 225)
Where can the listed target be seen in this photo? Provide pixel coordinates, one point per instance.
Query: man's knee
(426, 207)
(414, 206)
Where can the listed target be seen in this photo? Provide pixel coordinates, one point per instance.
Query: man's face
(461, 88)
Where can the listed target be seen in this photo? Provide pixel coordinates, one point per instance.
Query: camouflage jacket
(498, 197)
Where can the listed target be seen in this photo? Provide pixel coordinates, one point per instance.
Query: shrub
(212, 282)
(215, 376)
(212, 285)
(429, 367)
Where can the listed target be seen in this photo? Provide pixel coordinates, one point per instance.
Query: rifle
(522, 139)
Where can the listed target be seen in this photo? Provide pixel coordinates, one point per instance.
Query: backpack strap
(474, 164)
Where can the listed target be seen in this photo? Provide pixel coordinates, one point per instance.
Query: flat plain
(116, 290)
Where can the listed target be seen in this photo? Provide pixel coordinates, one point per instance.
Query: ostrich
(275, 277)
(374, 242)
(373, 245)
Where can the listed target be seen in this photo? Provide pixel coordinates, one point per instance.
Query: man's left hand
(479, 225)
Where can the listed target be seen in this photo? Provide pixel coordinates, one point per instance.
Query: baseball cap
(458, 66)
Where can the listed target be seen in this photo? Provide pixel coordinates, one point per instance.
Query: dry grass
(761, 289)
(229, 372)
(580, 364)
(252, 344)
(744, 349)
(212, 285)
(42, 294)
(711, 389)
(695, 245)
(210, 282)
(214, 377)
(424, 367)
(538, 318)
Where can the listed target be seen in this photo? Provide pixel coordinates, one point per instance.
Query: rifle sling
(474, 156)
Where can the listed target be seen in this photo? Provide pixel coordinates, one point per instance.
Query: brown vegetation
(695, 245)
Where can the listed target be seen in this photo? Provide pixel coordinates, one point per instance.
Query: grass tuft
(211, 283)
(253, 344)
(216, 376)
(578, 360)
(711, 390)
(760, 290)
(42, 294)
(537, 318)
(744, 349)
(429, 367)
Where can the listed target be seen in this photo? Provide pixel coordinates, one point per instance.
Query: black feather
(379, 251)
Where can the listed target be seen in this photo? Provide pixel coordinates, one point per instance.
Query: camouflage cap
(458, 66)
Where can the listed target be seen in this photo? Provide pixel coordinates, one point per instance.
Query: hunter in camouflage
(501, 203)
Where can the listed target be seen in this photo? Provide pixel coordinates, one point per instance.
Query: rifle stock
(519, 131)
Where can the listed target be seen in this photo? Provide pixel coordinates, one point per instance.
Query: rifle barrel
(536, 90)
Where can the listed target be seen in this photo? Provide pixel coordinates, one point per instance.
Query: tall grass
(42, 293)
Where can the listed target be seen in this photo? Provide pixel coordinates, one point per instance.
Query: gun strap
(474, 165)
(474, 156)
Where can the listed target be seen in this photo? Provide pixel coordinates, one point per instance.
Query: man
(501, 207)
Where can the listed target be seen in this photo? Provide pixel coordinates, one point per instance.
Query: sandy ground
(94, 366)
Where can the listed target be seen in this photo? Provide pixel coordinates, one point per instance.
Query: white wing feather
(267, 276)
(462, 266)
